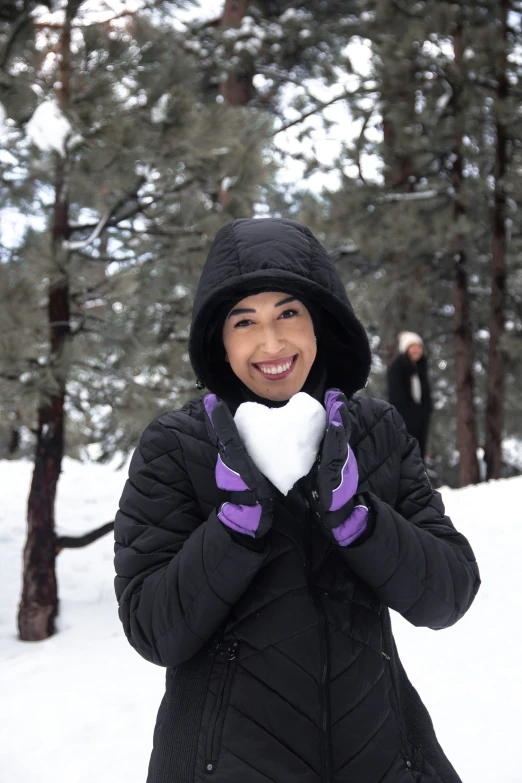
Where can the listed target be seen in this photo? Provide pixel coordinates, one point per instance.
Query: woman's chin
(279, 393)
(276, 397)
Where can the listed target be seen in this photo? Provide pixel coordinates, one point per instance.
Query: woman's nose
(271, 342)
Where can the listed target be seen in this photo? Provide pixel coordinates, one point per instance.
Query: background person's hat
(409, 338)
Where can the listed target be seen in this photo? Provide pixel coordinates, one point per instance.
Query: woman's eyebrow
(243, 310)
(239, 311)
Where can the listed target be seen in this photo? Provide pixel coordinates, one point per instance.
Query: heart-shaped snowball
(283, 442)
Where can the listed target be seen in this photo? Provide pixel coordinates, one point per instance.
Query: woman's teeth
(271, 369)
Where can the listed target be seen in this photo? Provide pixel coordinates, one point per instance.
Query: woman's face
(270, 344)
(415, 352)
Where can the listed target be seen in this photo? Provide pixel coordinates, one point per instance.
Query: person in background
(268, 611)
(409, 387)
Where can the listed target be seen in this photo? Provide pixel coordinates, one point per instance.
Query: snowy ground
(80, 707)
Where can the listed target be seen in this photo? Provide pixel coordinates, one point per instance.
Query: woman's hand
(251, 494)
(338, 476)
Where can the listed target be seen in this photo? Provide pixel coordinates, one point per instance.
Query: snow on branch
(349, 249)
(420, 195)
(50, 129)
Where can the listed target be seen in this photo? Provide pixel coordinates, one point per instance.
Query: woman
(409, 387)
(270, 612)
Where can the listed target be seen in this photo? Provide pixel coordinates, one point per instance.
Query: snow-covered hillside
(81, 706)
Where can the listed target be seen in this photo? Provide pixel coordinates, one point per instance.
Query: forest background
(130, 132)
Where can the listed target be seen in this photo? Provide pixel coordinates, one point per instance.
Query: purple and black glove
(338, 476)
(251, 494)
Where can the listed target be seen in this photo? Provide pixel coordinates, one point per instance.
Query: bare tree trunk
(495, 402)
(39, 602)
(466, 417)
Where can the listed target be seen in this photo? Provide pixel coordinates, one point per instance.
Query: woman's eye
(244, 322)
(289, 313)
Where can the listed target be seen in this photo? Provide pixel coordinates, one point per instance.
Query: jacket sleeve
(177, 575)
(412, 557)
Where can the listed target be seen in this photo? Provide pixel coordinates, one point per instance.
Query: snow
(49, 129)
(512, 452)
(227, 183)
(159, 111)
(283, 442)
(81, 706)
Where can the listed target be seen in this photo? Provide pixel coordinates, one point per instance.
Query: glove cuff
(353, 527)
(242, 519)
(332, 519)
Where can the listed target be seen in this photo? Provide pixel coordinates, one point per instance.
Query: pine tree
(134, 207)
(416, 232)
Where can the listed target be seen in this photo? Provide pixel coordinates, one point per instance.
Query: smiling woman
(267, 600)
(270, 344)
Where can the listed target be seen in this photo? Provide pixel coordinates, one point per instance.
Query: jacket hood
(249, 256)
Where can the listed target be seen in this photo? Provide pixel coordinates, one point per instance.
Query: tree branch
(310, 113)
(318, 108)
(74, 542)
(179, 232)
(359, 142)
(102, 224)
(18, 26)
(110, 220)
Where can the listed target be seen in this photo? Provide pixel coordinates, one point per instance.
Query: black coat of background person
(280, 663)
(416, 415)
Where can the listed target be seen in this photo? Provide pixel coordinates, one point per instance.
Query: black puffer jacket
(281, 665)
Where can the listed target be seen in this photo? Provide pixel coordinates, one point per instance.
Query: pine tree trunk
(466, 417)
(39, 602)
(495, 402)
(397, 65)
(397, 72)
(238, 88)
(14, 442)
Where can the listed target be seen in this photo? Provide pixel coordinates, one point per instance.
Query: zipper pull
(232, 651)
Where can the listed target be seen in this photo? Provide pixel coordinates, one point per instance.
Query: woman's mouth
(278, 369)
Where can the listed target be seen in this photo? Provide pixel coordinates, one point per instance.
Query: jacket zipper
(218, 713)
(326, 771)
(326, 776)
(388, 665)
